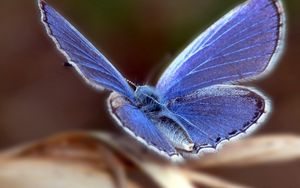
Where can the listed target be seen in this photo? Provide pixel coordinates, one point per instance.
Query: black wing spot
(233, 132)
(260, 104)
(246, 125)
(256, 115)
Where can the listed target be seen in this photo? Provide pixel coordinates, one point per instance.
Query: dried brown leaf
(28, 173)
(63, 152)
(207, 180)
(253, 151)
(108, 160)
(167, 176)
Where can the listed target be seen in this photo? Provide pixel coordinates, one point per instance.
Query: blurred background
(40, 97)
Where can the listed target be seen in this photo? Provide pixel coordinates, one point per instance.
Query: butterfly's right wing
(87, 60)
(242, 45)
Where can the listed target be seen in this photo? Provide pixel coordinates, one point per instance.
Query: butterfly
(197, 104)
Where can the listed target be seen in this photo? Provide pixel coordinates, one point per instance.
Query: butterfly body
(195, 105)
(147, 100)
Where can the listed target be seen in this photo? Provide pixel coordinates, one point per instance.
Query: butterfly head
(147, 99)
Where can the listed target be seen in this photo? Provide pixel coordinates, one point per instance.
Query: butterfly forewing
(237, 47)
(87, 60)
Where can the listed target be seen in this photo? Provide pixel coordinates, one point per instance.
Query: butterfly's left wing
(137, 124)
(239, 46)
(87, 60)
(219, 112)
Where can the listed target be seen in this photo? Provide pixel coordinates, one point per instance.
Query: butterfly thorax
(148, 101)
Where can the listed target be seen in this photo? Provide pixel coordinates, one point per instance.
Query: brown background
(40, 97)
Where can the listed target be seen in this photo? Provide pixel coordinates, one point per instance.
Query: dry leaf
(76, 155)
(253, 151)
(209, 180)
(28, 173)
(107, 160)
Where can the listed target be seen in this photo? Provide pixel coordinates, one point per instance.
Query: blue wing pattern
(237, 47)
(218, 113)
(87, 60)
(136, 123)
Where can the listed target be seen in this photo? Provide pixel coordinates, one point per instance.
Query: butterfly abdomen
(174, 132)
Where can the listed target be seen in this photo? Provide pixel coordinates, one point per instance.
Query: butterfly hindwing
(136, 123)
(87, 60)
(219, 112)
(239, 46)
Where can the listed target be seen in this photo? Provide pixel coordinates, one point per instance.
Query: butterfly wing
(87, 60)
(219, 112)
(239, 46)
(137, 124)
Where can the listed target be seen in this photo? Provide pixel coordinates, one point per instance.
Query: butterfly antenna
(132, 85)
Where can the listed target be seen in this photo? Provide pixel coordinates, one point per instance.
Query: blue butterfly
(195, 106)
